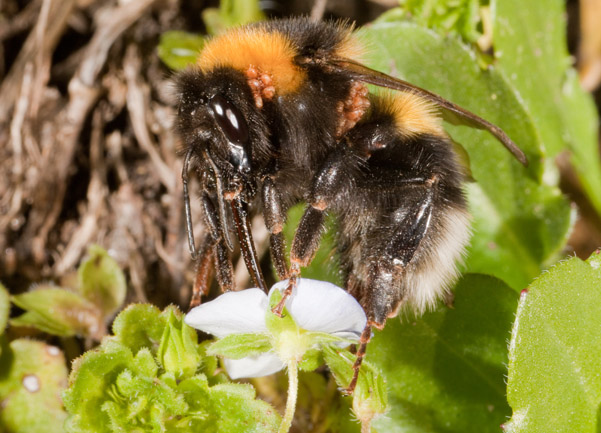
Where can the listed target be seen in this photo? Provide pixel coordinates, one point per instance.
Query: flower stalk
(292, 395)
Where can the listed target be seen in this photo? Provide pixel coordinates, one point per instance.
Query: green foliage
(32, 377)
(179, 49)
(238, 346)
(178, 351)
(4, 308)
(369, 398)
(101, 281)
(445, 371)
(132, 387)
(82, 311)
(531, 51)
(462, 17)
(59, 312)
(554, 381)
(231, 13)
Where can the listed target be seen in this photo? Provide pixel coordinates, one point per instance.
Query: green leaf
(323, 338)
(277, 325)
(237, 410)
(102, 281)
(32, 377)
(554, 382)
(231, 13)
(59, 312)
(237, 346)
(369, 397)
(445, 371)
(144, 363)
(179, 49)
(178, 352)
(138, 326)
(90, 385)
(518, 222)
(312, 359)
(111, 390)
(4, 308)
(531, 49)
(456, 17)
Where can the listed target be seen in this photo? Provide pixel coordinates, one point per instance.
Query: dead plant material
(87, 150)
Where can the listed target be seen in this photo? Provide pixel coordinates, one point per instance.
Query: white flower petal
(231, 313)
(324, 307)
(253, 366)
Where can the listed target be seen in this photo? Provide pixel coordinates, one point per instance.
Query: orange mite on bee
(279, 112)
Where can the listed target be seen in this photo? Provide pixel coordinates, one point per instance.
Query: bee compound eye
(230, 120)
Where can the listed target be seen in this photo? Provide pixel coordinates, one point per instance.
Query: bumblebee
(279, 112)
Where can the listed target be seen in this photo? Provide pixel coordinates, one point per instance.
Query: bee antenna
(189, 227)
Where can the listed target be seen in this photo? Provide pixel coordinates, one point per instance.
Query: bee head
(217, 119)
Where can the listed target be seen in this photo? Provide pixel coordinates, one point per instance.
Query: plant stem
(292, 394)
(366, 426)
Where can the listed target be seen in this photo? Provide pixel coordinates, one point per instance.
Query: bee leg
(275, 216)
(363, 340)
(247, 245)
(378, 294)
(204, 272)
(329, 182)
(223, 262)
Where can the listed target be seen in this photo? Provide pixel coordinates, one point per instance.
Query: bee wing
(450, 112)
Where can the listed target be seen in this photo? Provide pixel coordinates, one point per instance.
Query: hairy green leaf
(369, 397)
(554, 382)
(531, 50)
(102, 281)
(113, 390)
(445, 371)
(231, 13)
(59, 312)
(238, 346)
(32, 377)
(140, 325)
(178, 351)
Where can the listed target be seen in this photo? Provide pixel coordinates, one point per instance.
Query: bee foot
(277, 310)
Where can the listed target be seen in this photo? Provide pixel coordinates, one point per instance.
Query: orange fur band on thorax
(271, 52)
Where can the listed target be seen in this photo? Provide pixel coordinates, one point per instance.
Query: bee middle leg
(328, 184)
(275, 217)
(221, 255)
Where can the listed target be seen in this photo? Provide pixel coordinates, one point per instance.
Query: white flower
(316, 306)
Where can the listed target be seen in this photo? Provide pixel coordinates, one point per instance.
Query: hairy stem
(292, 394)
(366, 426)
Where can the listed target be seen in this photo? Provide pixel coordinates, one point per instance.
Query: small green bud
(178, 352)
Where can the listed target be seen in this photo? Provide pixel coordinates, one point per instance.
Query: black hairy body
(299, 125)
